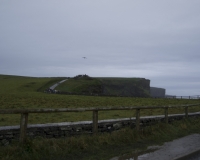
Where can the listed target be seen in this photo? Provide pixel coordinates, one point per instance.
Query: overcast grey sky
(154, 39)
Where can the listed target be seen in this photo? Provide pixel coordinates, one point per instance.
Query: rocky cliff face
(130, 87)
(139, 87)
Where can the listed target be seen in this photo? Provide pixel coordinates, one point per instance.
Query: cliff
(130, 87)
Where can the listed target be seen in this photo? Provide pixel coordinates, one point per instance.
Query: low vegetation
(85, 85)
(28, 92)
(101, 146)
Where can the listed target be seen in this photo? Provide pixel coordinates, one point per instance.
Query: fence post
(166, 114)
(23, 127)
(95, 121)
(186, 111)
(135, 156)
(137, 119)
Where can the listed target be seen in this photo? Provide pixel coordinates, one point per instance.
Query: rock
(30, 134)
(109, 128)
(78, 129)
(65, 128)
(117, 125)
(10, 136)
(5, 142)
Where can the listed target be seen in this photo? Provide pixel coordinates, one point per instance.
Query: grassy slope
(101, 146)
(80, 86)
(19, 84)
(21, 92)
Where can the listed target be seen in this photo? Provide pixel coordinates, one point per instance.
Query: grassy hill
(15, 84)
(81, 85)
(137, 87)
(17, 92)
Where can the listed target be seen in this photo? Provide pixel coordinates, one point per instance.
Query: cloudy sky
(153, 39)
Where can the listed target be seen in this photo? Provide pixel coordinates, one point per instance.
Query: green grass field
(27, 92)
(100, 146)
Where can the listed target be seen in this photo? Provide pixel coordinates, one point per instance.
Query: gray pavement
(172, 150)
(175, 149)
(55, 85)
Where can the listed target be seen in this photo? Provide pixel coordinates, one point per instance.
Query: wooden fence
(183, 97)
(25, 112)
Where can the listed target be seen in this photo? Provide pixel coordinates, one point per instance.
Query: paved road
(175, 149)
(171, 150)
(55, 85)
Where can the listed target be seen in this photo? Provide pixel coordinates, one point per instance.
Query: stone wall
(67, 129)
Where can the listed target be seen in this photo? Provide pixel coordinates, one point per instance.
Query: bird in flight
(84, 57)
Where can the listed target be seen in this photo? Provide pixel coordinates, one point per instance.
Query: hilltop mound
(83, 84)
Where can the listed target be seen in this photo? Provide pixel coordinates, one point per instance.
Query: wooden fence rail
(183, 97)
(25, 112)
